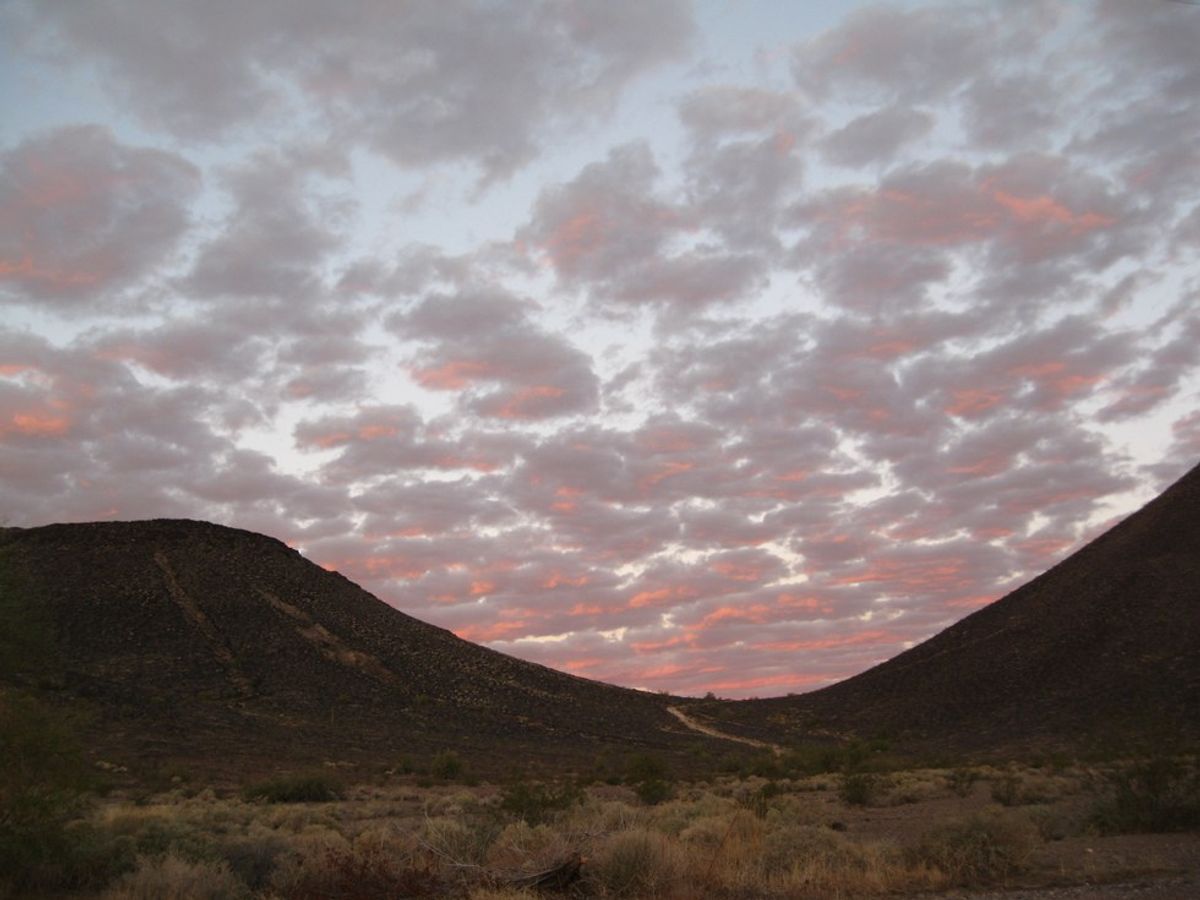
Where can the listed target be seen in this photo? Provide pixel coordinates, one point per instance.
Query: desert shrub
(459, 840)
(758, 800)
(707, 832)
(654, 791)
(979, 849)
(602, 816)
(447, 766)
(521, 847)
(1160, 794)
(1056, 824)
(1006, 790)
(171, 878)
(787, 845)
(644, 767)
(502, 893)
(361, 872)
(635, 863)
(912, 787)
(1015, 789)
(43, 783)
(808, 861)
(253, 857)
(649, 778)
(860, 789)
(157, 835)
(406, 765)
(763, 765)
(314, 787)
(961, 781)
(534, 802)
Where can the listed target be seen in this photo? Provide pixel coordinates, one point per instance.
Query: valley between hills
(190, 704)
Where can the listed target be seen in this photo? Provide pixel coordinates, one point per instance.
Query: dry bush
(255, 856)
(360, 873)
(788, 846)
(172, 878)
(832, 866)
(457, 841)
(1056, 824)
(635, 863)
(725, 853)
(595, 816)
(674, 816)
(978, 850)
(961, 781)
(913, 787)
(159, 831)
(489, 893)
(298, 819)
(524, 848)
(797, 809)
(707, 833)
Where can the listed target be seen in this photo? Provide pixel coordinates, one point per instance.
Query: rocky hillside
(195, 643)
(1102, 649)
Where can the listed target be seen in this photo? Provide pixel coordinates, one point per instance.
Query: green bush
(535, 803)
(1160, 794)
(644, 767)
(653, 791)
(649, 778)
(447, 766)
(43, 783)
(860, 789)
(316, 787)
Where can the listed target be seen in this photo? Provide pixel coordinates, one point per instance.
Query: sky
(728, 345)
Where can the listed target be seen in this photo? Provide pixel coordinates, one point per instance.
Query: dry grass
(172, 878)
(731, 838)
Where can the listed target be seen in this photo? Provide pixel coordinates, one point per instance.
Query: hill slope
(210, 646)
(1106, 645)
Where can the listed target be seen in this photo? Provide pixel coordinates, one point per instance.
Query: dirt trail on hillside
(691, 723)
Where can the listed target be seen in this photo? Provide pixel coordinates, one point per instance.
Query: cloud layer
(566, 327)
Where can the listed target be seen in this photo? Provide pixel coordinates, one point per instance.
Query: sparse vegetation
(169, 877)
(447, 766)
(781, 838)
(860, 789)
(535, 803)
(978, 850)
(1159, 794)
(314, 787)
(961, 781)
(44, 784)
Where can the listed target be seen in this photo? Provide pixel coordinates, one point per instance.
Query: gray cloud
(82, 215)
(423, 83)
(876, 136)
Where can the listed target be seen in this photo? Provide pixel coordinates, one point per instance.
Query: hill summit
(198, 643)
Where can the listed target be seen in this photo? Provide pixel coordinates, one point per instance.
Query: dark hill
(1102, 648)
(223, 650)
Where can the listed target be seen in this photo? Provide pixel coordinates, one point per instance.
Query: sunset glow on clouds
(731, 345)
